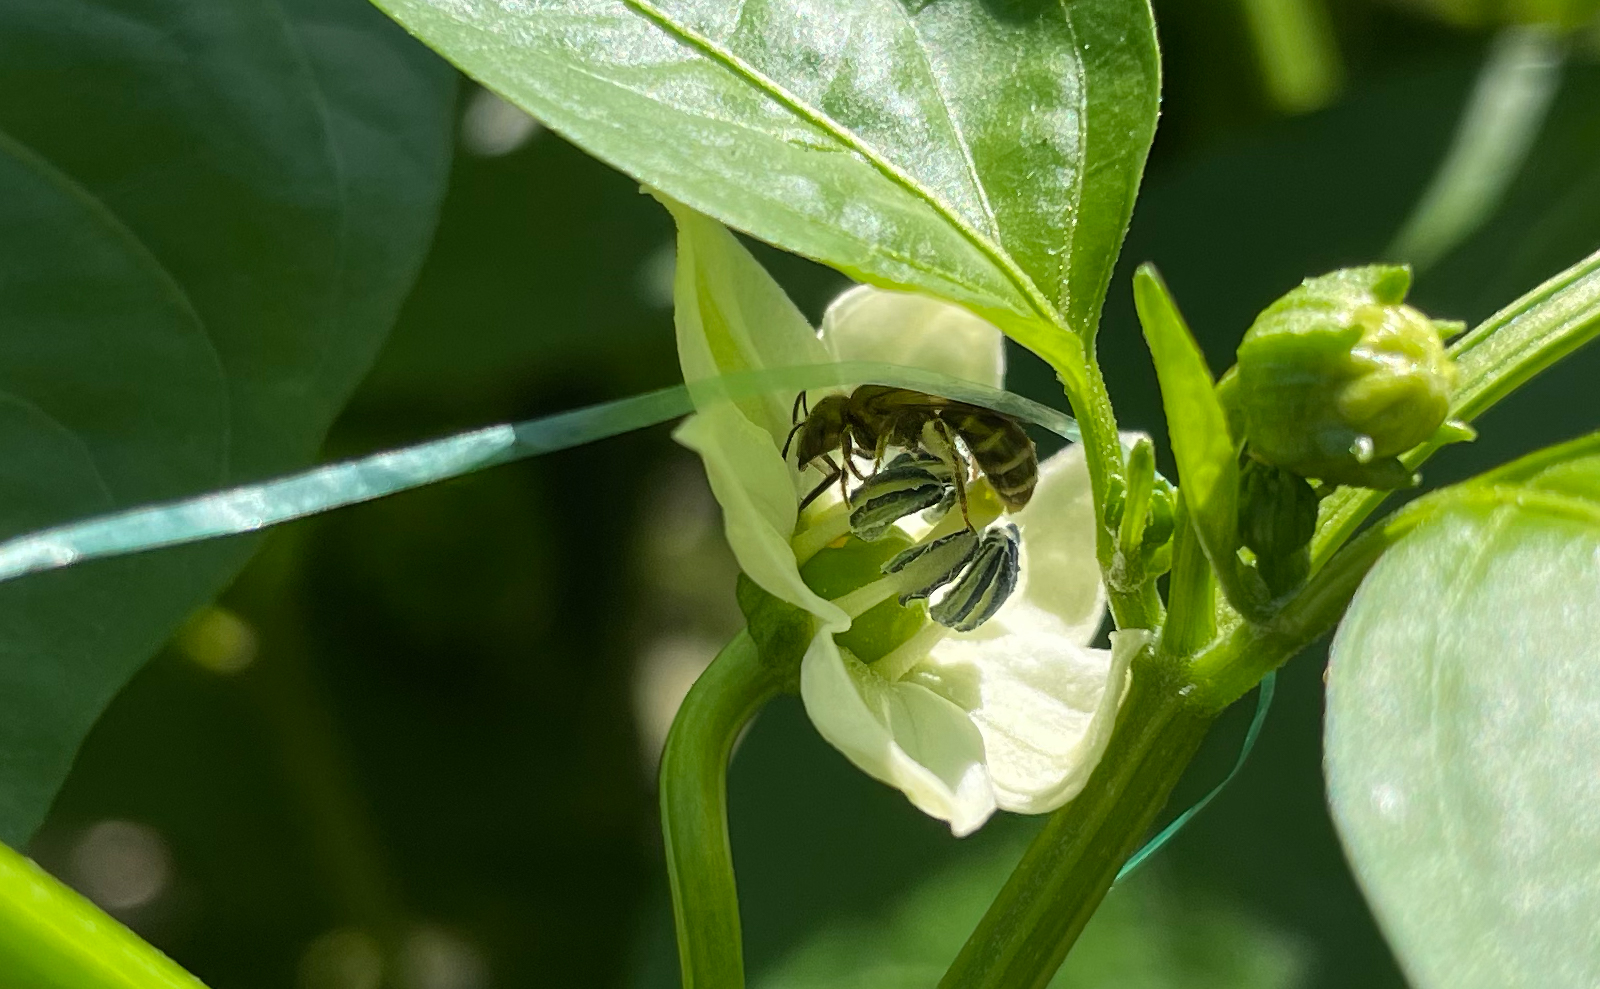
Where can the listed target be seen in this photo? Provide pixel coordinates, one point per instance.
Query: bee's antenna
(790, 438)
(799, 408)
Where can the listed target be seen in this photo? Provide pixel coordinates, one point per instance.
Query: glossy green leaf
(1208, 465)
(987, 152)
(1463, 738)
(1142, 936)
(210, 211)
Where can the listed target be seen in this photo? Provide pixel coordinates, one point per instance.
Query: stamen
(896, 663)
(985, 585)
(863, 599)
(821, 529)
(902, 489)
(927, 566)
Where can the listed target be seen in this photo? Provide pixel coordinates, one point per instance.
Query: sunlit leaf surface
(983, 151)
(1463, 741)
(209, 214)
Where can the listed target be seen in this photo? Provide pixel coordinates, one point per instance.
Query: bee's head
(821, 431)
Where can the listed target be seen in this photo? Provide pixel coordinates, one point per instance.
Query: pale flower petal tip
(867, 323)
(900, 733)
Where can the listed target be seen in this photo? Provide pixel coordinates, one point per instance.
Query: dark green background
(438, 731)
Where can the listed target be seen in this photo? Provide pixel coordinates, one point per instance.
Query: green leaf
(209, 214)
(1141, 936)
(1463, 705)
(1208, 464)
(986, 152)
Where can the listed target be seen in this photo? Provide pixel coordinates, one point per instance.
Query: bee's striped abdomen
(1003, 451)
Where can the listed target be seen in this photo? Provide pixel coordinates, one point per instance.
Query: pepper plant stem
(52, 938)
(694, 812)
(1071, 863)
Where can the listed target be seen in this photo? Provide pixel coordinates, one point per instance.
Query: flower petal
(1044, 706)
(756, 491)
(1060, 574)
(731, 317)
(900, 733)
(868, 323)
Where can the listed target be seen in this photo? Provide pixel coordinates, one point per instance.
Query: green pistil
(853, 572)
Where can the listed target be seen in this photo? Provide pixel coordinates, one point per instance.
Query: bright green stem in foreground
(1072, 862)
(52, 938)
(694, 812)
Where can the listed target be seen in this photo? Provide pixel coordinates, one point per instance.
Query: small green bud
(1339, 377)
(1277, 518)
(1155, 549)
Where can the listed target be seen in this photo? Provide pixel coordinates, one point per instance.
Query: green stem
(1298, 52)
(52, 938)
(1070, 865)
(1234, 664)
(694, 812)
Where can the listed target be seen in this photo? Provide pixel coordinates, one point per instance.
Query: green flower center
(837, 570)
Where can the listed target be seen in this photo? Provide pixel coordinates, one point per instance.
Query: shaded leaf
(209, 213)
(1140, 937)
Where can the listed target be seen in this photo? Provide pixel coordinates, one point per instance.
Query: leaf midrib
(754, 78)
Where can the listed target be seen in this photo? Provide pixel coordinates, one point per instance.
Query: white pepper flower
(1013, 715)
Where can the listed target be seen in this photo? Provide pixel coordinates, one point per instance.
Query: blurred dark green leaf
(1141, 938)
(875, 135)
(210, 211)
(1462, 712)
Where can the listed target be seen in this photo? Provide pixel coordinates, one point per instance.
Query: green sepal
(781, 631)
(1208, 465)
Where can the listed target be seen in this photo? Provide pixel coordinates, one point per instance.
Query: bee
(873, 418)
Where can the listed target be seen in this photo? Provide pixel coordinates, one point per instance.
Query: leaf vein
(1030, 292)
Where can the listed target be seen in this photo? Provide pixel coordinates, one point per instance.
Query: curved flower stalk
(1012, 715)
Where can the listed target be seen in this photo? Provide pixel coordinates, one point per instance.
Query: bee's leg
(847, 468)
(881, 449)
(958, 468)
(850, 457)
(823, 486)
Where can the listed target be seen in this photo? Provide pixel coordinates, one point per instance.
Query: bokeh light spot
(121, 865)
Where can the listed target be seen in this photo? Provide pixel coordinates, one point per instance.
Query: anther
(985, 584)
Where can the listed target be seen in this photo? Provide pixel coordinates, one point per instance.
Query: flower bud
(1338, 377)
(1277, 518)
